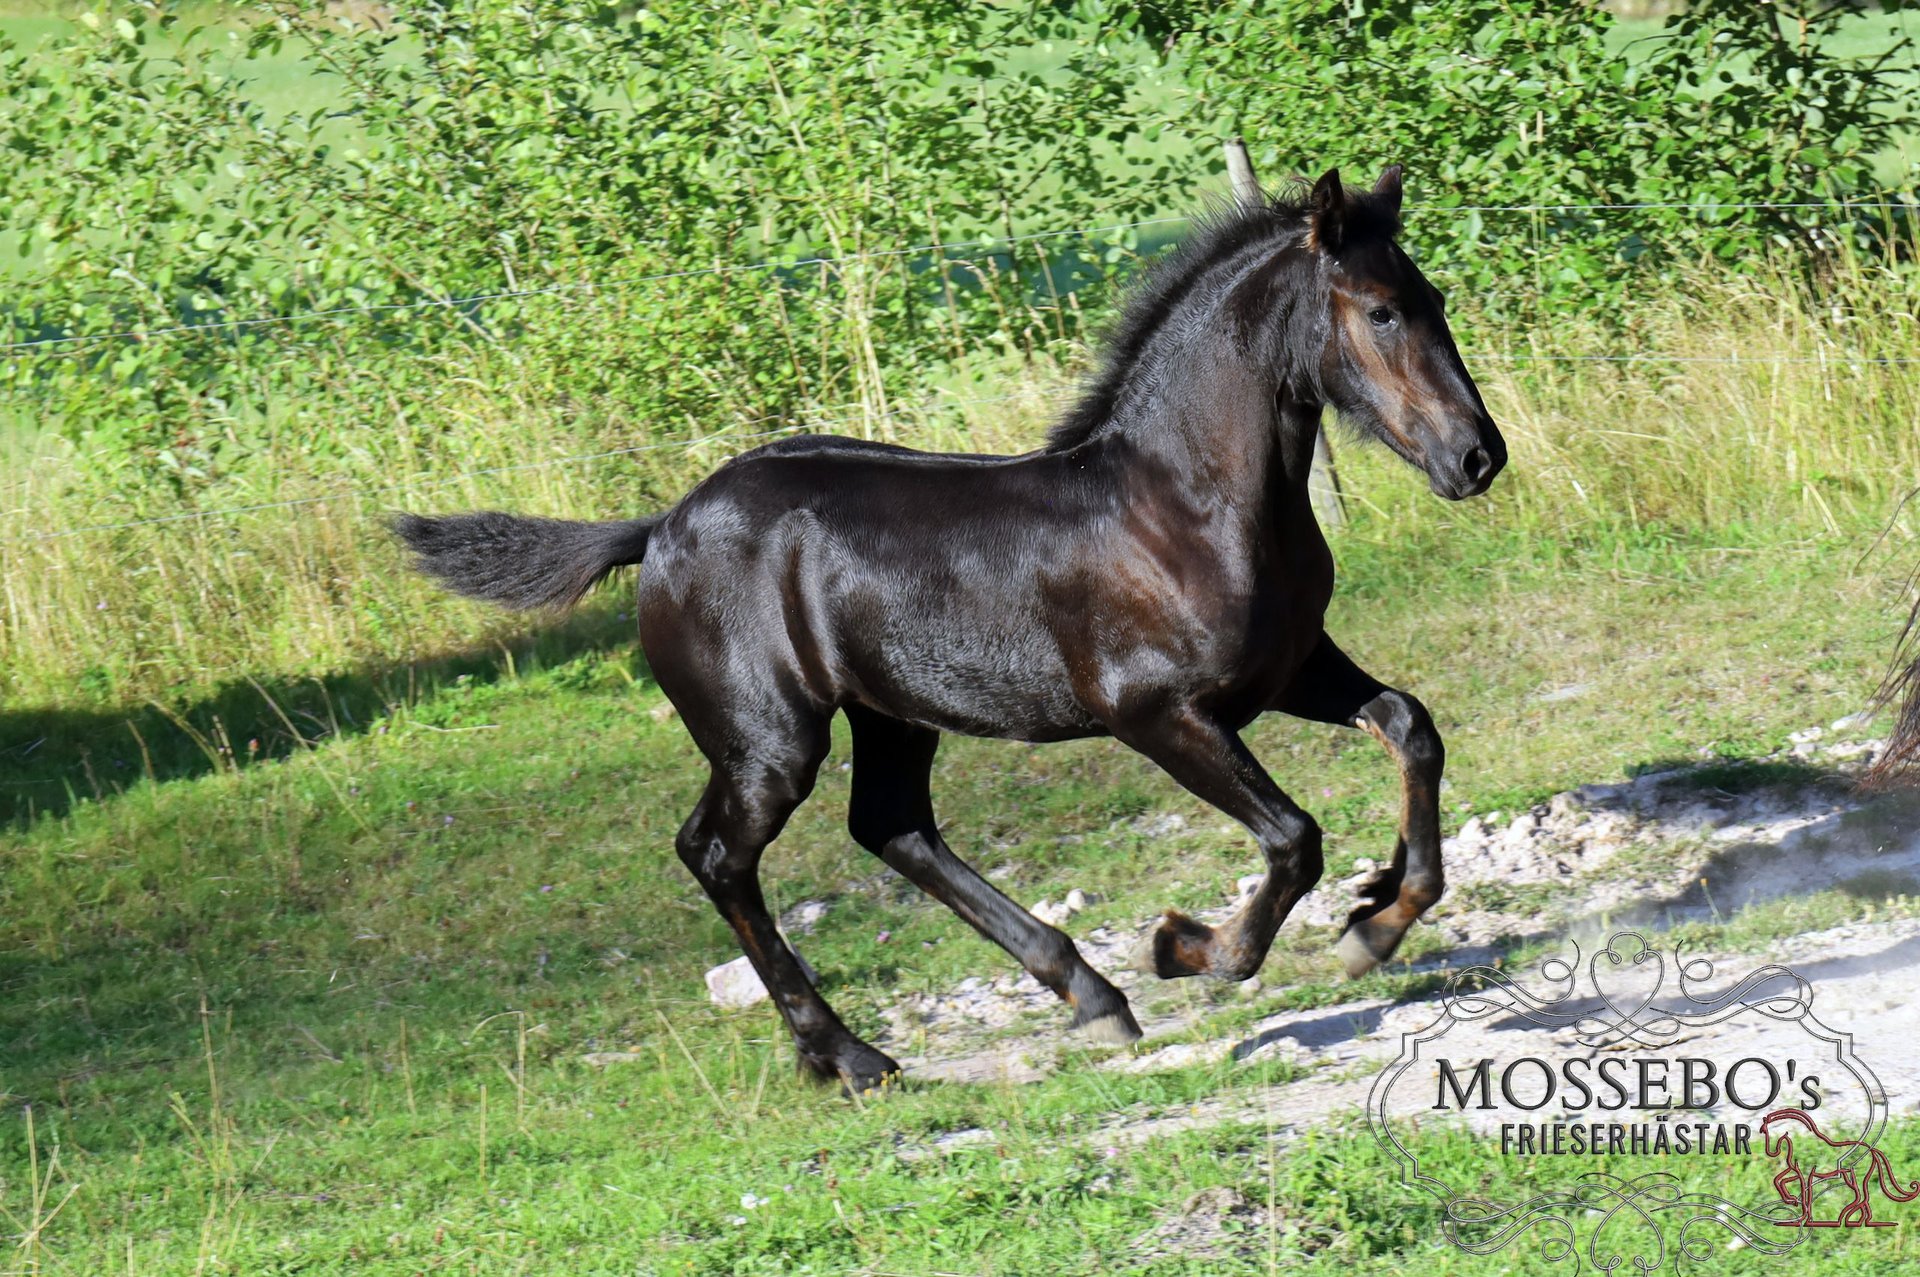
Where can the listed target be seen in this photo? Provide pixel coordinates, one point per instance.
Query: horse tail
(518, 561)
(1901, 757)
(1888, 1182)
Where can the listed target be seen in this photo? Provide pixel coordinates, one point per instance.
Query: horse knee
(1405, 727)
(1293, 849)
(721, 868)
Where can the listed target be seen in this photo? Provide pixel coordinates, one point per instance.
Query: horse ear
(1329, 204)
(1387, 189)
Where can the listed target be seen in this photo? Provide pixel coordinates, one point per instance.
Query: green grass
(325, 1011)
(315, 888)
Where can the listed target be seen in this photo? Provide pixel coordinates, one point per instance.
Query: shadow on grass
(52, 757)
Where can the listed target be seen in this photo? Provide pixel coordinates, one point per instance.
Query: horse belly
(962, 670)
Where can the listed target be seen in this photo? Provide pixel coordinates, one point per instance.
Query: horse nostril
(1476, 465)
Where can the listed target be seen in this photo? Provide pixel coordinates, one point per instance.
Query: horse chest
(1272, 590)
(1262, 642)
(1228, 623)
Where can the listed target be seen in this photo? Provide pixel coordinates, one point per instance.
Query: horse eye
(1381, 317)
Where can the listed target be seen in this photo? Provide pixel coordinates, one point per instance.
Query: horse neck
(1207, 400)
(1237, 441)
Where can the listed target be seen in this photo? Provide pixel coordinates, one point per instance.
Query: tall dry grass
(100, 603)
(1764, 412)
(1760, 405)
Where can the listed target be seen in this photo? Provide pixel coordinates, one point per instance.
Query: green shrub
(1526, 106)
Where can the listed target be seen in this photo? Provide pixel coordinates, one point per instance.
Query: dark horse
(1154, 573)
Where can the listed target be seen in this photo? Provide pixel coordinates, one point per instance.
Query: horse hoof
(1354, 954)
(1366, 944)
(1177, 947)
(866, 1072)
(860, 1070)
(1117, 1028)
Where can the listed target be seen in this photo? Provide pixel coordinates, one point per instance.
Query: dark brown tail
(518, 561)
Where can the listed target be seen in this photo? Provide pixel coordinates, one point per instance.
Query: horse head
(1389, 365)
(1776, 1129)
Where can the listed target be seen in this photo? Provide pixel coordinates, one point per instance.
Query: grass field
(317, 890)
(328, 1013)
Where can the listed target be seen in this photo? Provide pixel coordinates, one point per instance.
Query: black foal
(1154, 573)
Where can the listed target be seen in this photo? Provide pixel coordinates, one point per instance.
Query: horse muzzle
(1458, 473)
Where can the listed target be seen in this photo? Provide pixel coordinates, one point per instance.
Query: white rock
(1247, 884)
(803, 917)
(1285, 1050)
(736, 984)
(1079, 901)
(1178, 1056)
(1053, 913)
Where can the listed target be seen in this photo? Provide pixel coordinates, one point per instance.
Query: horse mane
(1220, 234)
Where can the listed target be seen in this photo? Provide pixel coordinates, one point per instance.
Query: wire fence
(799, 423)
(212, 327)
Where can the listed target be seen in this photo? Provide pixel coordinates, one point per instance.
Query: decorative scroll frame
(1671, 1222)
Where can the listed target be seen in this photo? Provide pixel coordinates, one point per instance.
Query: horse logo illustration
(1809, 1156)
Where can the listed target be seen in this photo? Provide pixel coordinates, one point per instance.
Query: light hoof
(1115, 1029)
(1354, 954)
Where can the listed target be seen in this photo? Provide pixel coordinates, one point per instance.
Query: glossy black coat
(1154, 573)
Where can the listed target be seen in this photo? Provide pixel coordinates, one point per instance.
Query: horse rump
(518, 561)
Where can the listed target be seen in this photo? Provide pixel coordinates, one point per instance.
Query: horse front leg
(1330, 688)
(1213, 763)
(1781, 1182)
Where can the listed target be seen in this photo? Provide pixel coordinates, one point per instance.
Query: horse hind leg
(891, 815)
(746, 804)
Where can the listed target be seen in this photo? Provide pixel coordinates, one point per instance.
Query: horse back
(1033, 597)
(909, 582)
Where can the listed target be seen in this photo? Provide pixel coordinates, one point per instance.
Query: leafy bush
(1493, 103)
(553, 185)
(536, 234)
